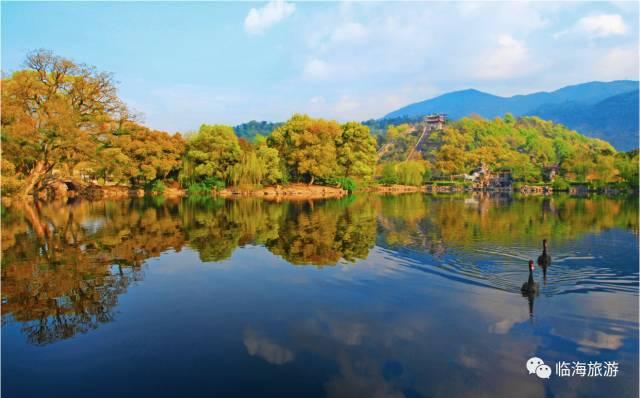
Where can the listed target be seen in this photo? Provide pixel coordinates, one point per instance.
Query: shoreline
(286, 192)
(296, 192)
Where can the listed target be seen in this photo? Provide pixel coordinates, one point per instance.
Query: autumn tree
(308, 146)
(109, 164)
(152, 154)
(55, 111)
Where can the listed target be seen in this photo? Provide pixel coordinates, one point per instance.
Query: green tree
(388, 175)
(213, 151)
(627, 163)
(356, 151)
(269, 161)
(411, 172)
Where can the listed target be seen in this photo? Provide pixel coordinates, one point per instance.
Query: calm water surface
(371, 296)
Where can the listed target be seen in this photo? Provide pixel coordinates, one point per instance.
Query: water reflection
(408, 296)
(266, 349)
(325, 234)
(64, 265)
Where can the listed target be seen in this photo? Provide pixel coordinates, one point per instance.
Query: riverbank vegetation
(64, 121)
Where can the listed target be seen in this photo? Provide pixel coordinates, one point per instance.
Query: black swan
(544, 260)
(530, 286)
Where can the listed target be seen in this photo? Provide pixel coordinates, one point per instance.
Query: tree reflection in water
(323, 234)
(64, 265)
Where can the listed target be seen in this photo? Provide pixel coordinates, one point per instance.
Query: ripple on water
(573, 270)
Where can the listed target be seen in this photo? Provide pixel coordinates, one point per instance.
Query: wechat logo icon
(537, 366)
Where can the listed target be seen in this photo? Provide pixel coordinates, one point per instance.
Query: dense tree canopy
(55, 112)
(317, 148)
(307, 146)
(138, 154)
(213, 150)
(356, 151)
(529, 147)
(64, 118)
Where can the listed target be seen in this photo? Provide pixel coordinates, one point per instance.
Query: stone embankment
(287, 192)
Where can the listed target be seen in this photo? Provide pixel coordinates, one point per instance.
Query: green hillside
(529, 147)
(607, 110)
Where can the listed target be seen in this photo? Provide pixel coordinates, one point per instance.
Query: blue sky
(184, 64)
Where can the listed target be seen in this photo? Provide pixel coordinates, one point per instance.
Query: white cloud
(397, 41)
(346, 104)
(316, 69)
(355, 61)
(603, 25)
(260, 19)
(510, 59)
(618, 63)
(349, 32)
(317, 100)
(597, 26)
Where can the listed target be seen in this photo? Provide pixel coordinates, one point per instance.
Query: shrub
(156, 187)
(427, 175)
(206, 186)
(213, 183)
(597, 185)
(198, 189)
(345, 183)
(560, 184)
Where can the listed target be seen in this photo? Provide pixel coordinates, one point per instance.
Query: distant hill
(614, 119)
(607, 110)
(250, 129)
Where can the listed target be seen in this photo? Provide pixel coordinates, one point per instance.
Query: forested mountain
(614, 119)
(531, 148)
(607, 110)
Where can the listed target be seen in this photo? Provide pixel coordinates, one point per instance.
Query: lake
(368, 296)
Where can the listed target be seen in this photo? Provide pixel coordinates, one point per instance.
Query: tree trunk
(39, 170)
(312, 179)
(39, 227)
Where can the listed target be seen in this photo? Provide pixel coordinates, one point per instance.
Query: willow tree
(54, 111)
